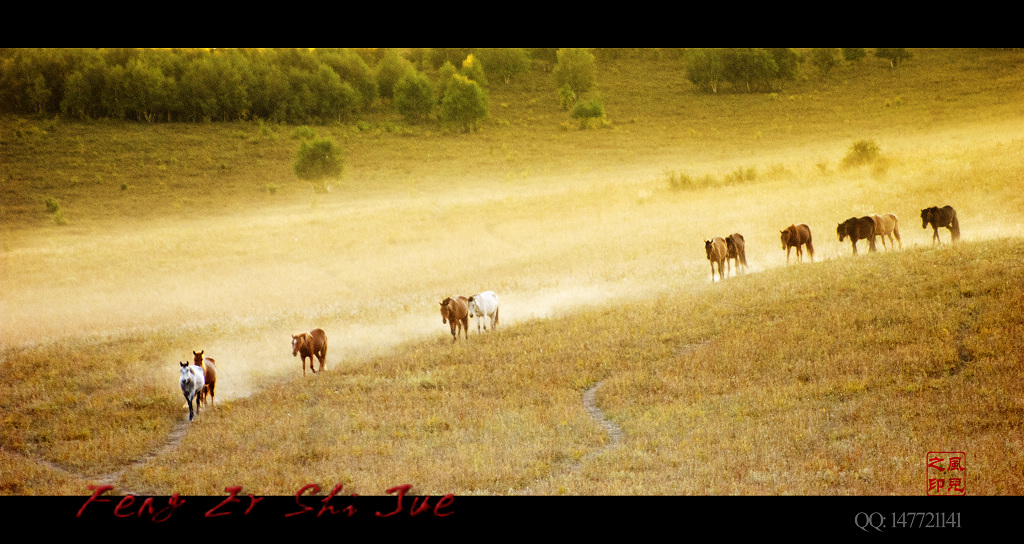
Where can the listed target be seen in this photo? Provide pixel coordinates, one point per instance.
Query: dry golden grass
(196, 254)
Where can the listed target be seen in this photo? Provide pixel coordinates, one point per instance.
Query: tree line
(279, 85)
(302, 86)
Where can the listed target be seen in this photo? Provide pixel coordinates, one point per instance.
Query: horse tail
(496, 309)
(954, 227)
(896, 230)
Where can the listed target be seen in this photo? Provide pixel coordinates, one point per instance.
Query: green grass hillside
(125, 246)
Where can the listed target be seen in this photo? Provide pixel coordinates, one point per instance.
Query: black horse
(941, 217)
(858, 228)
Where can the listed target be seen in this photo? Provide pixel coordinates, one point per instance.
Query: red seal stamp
(946, 473)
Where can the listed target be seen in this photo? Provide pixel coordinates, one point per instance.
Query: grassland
(844, 373)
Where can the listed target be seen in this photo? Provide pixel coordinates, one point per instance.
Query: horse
(858, 228)
(941, 217)
(209, 375)
(736, 250)
(455, 312)
(888, 225)
(484, 305)
(796, 236)
(717, 250)
(309, 344)
(191, 382)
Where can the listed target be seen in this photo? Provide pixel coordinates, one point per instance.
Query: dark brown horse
(888, 224)
(455, 311)
(941, 217)
(858, 228)
(796, 236)
(736, 251)
(308, 344)
(717, 251)
(209, 375)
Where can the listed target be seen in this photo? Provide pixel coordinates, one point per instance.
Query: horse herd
(199, 378)
(720, 251)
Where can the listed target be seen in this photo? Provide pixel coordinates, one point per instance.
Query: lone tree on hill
(319, 160)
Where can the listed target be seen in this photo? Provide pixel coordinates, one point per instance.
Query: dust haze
(371, 271)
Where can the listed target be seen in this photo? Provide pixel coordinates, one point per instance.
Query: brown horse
(736, 251)
(309, 344)
(455, 312)
(717, 251)
(209, 375)
(941, 217)
(796, 236)
(858, 228)
(888, 225)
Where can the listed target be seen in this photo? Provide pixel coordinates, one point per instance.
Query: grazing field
(831, 377)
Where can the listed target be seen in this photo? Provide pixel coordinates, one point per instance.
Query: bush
(587, 110)
(567, 96)
(319, 160)
(52, 205)
(861, 152)
(303, 132)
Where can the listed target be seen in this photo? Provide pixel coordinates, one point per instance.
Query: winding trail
(615, 433)
(174, 439)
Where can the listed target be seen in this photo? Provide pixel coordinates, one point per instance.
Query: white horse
(191, 382)
(484, 304)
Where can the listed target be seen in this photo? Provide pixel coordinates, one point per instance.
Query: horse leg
(854, 240)
(871, 244)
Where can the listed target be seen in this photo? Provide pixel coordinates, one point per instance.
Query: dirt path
(174, 439)
(615, 433)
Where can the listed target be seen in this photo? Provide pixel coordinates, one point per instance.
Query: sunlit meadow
(832, 377)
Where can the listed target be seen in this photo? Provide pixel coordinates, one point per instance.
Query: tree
(745, 67)
(575, 67)
(704, 68)
(504, 63)
(473, 69)
(853, 55)
(444, 76)
(894, 56)
(824, 59)
(414, 97)
(391, 69)
(319, 160)
(788, 62)
(465, 103)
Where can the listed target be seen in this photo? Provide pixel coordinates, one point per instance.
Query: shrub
(567, 96)
(303, 132)
(587, 110)
(52, 205)
(861, 152)
(318, 161)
